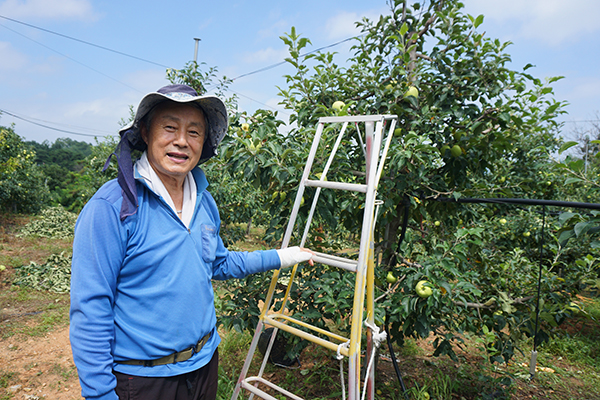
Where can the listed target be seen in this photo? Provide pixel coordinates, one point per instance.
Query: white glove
(292, 255)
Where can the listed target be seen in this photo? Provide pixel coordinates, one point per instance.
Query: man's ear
(144, 132)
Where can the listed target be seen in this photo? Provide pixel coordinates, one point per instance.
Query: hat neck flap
(125, 176)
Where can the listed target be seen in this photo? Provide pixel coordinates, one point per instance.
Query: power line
(583, 120)
(71, 58)
(260, 102)
(91, 130)
(302, 56)
(268, 67)
(83, 41)
(48, 127)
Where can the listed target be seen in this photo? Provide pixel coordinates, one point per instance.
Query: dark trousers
(196, 385)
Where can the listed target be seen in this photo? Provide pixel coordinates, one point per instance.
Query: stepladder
(373, 134)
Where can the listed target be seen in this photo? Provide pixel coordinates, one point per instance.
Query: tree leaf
(566, 146)
(478, 20)
(568, 181)
(582, 227)
(403, 29)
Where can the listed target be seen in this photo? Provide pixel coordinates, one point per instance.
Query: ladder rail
(311, 158)
(385, 151)
(373, 143)
(309, 336)
(355, 187)
(335, 261)
(264, 395)
(276, 316)
(322, 179)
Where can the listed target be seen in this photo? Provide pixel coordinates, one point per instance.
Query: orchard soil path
(43, 367)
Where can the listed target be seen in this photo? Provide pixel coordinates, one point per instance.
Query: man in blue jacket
(146, 248)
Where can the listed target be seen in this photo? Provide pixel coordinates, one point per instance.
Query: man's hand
(291, 256)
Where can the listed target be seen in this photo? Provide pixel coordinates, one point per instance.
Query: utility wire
(49, 127)
(268, 67)
(302, 56)
(83, 41)
(65, 126)
(259, 102)
(71, 58)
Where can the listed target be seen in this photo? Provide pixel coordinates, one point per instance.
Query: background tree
(22, 184)
(60, 162)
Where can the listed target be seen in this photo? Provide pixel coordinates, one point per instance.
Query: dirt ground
(43, 367)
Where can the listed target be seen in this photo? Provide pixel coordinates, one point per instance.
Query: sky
(72, 68)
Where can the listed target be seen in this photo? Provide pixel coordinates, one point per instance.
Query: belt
(172, 358)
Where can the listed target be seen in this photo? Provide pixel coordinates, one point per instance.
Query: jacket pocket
(209, 243)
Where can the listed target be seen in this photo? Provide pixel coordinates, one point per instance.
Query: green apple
(501, 179)
(398, 132)
(2, 267)
(443, 149)
(338, 105)
(245, 127)
(412, 91)
(526, 234)
(423, 290)
(503, 221)
(456, 151)
(458, 134)
(390, 278)
(437, 223)
(426, 396)
(573, 307)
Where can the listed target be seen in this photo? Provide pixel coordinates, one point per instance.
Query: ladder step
(356, 118)
(335, 261)
(247, 384)
(274, 320)
(355, 187)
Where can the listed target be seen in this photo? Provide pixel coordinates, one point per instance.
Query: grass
(30, 312)
(572, 354)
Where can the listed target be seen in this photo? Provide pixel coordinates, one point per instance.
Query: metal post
(196, 50)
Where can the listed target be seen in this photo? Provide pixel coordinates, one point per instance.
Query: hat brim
(214, 109)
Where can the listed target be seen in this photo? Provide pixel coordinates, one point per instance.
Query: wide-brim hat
(214, 110)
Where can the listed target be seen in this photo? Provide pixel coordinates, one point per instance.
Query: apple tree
(470, 126)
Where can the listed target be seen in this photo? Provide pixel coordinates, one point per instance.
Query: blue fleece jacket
(141, 288)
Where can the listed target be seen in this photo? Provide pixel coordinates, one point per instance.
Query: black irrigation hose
(533, 358)
(406, 204)
(393, 356)
(531, 202)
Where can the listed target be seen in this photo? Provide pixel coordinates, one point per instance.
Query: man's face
(175, 139)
